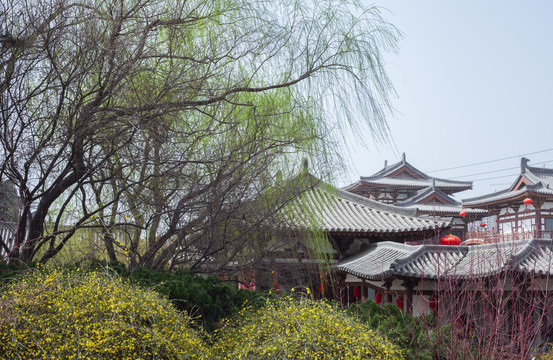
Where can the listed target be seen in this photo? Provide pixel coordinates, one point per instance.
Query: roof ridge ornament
(403, 158)
(385, 164)
(523, 164)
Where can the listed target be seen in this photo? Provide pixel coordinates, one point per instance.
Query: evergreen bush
(418, 337)
(206, 298)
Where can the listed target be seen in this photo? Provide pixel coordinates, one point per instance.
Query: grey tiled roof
(388, 169)
(442, 209)
(540, 182)
(415, 183)
(535, 175)
(330, 209)
(382, 178)
(424, 194)
(539, 261)
(378, 264)
(435, 261)
(452, 207)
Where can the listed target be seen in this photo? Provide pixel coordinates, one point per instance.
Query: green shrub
(206, 298)
(74, 314)
(299, 329)
(417, 337)
(8, 272)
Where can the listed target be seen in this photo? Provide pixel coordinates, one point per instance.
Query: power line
(482, 173)
(496, 177)
(494, 171)
(490, 161)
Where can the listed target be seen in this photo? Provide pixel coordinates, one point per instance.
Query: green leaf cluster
(417, 337)
(207, 299)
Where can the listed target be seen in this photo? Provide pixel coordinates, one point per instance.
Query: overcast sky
(475, 84)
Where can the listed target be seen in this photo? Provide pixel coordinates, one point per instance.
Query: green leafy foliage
(417, 337)
(206, 298)
(11, 271)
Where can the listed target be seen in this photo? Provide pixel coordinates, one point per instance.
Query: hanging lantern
(322, 283)
(463, 214)
(527, 201)
(399, 302)
(378, 298)
(483, 225)
(357, 292)
(432, 303)
(323, 287)
(450, 240)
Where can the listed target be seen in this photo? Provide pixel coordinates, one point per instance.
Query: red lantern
(483, 225)
(463, 213)
(450, 240)
(527, 201)
(357, 292)
(378, 298)
(323, 287)
(399, 302)
(432, 303)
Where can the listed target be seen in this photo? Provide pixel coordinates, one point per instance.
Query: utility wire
(490, 161)
(496, 177)
(494, 171)
(482, 173)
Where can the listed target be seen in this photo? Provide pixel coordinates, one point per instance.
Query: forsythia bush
(76, 315)
(299, 329)
(207, 299)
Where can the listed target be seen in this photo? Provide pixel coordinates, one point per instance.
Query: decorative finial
(385, 164)
(523, 164)
(403, 156)
(433, 184)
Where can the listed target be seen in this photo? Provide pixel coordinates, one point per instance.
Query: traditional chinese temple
(525, 209)
(352, 220)
(404, 186)
(349, 223)
(471, 278)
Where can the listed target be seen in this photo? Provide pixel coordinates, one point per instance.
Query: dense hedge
(206, 298)
(418, 337)
(76, 314)
(299, 329)
(62, 313)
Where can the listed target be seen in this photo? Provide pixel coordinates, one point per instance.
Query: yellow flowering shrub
(76, 315)
(299, 329)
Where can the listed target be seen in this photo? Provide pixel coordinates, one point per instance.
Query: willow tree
(155, 121)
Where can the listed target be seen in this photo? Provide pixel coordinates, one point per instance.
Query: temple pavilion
(420, 272)
(352, 221)
(525, 209)
(348, 222)
(404, 186)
